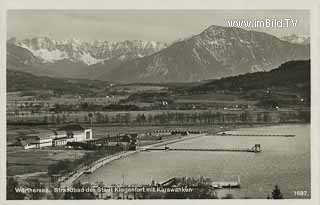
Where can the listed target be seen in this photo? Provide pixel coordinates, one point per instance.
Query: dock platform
(254, 135)
(203, 150)
(255, 149)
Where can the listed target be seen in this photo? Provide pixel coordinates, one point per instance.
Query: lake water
(284, 161)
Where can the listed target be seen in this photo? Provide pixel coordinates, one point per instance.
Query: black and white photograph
(158, 104)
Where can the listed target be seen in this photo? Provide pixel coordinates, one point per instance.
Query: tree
(90, 115)
(36, 185)
(142, 118)
(84, 106)
(12, 184)
(80, 195)
(99, 117)
(276, 193)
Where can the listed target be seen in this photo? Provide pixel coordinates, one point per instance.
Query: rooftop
(72, 127)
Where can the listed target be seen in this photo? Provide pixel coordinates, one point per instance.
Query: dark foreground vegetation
(200, 190)
(67, 166)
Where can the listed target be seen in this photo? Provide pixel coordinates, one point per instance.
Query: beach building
(59, 137)
(34, 141)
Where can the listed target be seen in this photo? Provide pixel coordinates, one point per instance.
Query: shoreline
(70, 178)
(108, 159)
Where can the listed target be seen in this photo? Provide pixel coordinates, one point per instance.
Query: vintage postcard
(158, 104)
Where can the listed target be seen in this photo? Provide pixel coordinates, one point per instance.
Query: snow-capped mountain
(216, 52)
(89, 53)
(293, 38)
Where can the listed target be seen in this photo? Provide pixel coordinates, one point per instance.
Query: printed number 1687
(301, 193)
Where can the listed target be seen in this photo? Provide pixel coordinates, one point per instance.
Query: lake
(284, 161)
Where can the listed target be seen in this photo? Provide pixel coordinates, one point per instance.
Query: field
(20, 161)
(133, 88)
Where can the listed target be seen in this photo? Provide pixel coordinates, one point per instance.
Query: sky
(150, 25)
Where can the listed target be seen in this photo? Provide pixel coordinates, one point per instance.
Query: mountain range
(89, 53)
(74, 58)
(214, 53)
(293, 38)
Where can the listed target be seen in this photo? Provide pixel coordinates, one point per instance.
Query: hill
(289, 74)
(22, 81)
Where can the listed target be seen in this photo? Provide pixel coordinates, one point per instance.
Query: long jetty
(255, 135)
(203, 150)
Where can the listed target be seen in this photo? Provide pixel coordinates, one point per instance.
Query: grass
(20, 161)
(137, 88)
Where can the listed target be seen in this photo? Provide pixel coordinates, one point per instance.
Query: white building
(35, 141)
(60, 137)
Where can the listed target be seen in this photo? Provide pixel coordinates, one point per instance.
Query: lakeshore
(101, 162)
(286, 156)
(70, 177)
(245, 134)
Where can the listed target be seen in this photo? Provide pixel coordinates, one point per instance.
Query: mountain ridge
(51, 50)
(214, 53)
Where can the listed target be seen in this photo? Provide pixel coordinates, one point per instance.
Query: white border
(178, 4)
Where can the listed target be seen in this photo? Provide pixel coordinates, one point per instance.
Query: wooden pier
(255, 149)
(254, 135)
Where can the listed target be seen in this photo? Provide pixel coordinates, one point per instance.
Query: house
(77, 131)
(71, 133)
(35, 141)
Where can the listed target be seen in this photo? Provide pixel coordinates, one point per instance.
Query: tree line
(167, 118)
